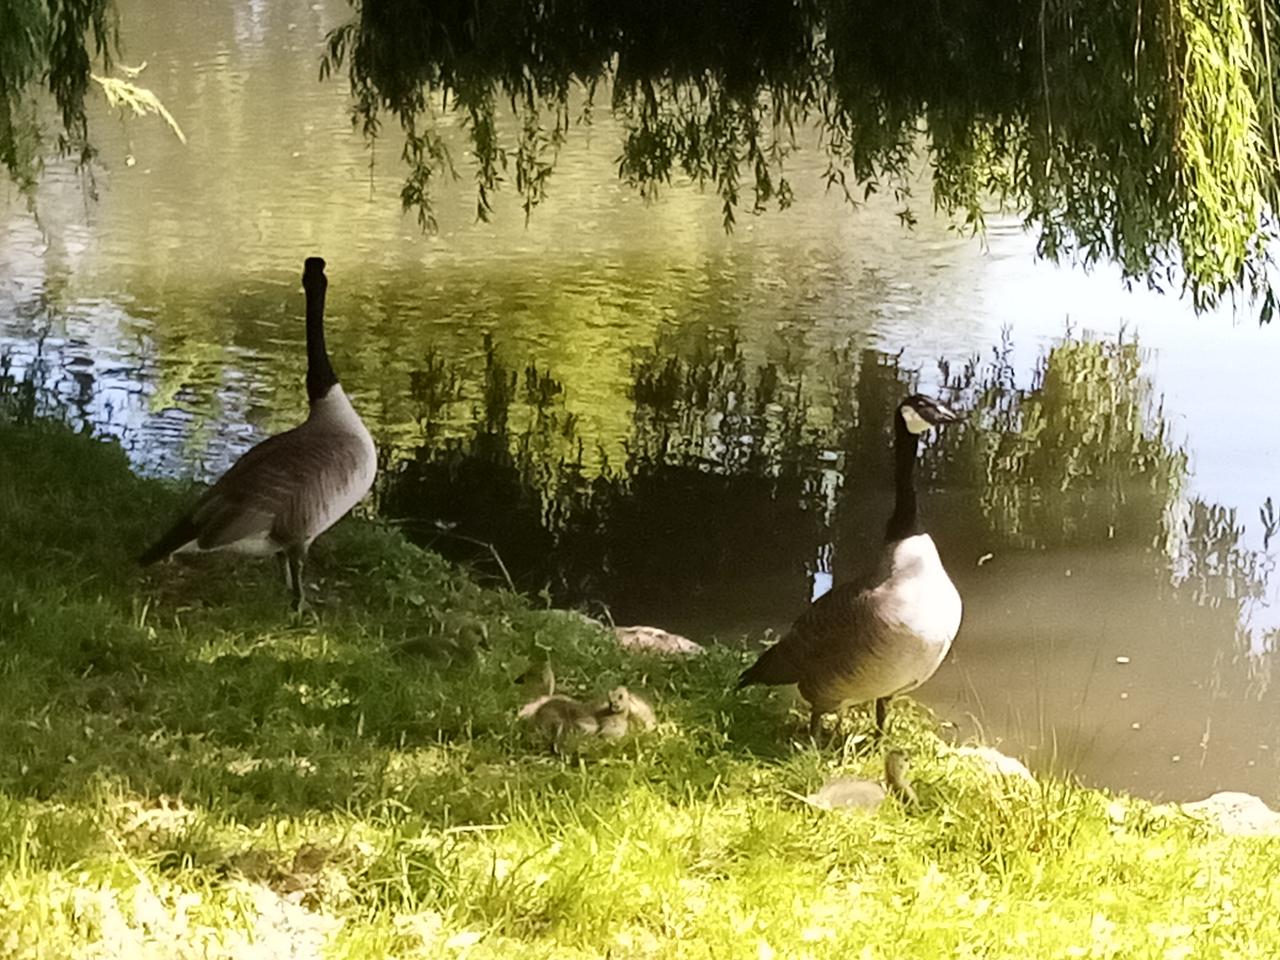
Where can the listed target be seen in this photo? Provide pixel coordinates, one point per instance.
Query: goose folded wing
(277, 487)
(815, 636)
(839, 620)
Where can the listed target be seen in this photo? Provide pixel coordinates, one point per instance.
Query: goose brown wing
(841, 613)
(278, 487)
(818, 631)
(239, 504)
(228, 511)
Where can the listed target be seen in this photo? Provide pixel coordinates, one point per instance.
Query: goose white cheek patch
(915, 423)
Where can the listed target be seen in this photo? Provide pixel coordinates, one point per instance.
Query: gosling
(554, 713)
(615, 715)
(847, 793)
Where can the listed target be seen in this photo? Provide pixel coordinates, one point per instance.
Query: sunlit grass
(185, 774)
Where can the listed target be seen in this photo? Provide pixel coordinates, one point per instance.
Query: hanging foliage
(49, 44)
(1139, 132)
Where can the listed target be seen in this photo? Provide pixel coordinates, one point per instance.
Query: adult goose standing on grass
(286, 491)
(886, 635)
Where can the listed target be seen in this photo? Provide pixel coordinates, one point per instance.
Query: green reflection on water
(1081, 455)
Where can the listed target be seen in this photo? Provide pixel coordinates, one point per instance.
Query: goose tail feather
(773, 668)
(180, 534)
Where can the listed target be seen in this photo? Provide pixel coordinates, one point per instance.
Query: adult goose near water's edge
(885, 635)
(286, 491)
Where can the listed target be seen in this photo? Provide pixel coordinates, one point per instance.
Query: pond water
(646, 416)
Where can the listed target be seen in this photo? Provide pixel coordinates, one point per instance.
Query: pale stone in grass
(656, 640)
(996, 762)
(1239, 814)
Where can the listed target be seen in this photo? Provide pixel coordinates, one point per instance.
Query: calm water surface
(686, 428)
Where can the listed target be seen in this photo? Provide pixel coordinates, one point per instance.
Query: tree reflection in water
(745, 481)
(1113, 621)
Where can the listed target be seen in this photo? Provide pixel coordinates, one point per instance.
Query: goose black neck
(320, 375)
(903, 523)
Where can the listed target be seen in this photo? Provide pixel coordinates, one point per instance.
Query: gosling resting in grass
(845, 793)
(290, 488)
(620, 710)
(552, 713)
(886, 635)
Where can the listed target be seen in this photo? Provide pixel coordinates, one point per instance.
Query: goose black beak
(944, 414)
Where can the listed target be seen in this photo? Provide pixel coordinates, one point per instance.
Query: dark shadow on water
(669, 529)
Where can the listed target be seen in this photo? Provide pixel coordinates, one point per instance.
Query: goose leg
(556, 737)
(293, 558)
(815, 723)
(882, 715)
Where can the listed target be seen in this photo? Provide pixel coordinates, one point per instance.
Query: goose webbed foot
(816, 734)
(302, 613)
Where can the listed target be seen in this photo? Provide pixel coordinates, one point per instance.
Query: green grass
(183, 773)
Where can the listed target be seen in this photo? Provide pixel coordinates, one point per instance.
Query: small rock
(997, 762)
(656, 640)
(1238, 814)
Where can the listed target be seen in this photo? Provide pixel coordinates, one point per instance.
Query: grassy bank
(183, 773)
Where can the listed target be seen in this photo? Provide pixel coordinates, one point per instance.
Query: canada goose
(886, 635)
(868, 794)
(283, 493)
(551, 712)
(621, 708)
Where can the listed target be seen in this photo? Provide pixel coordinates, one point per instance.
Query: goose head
(920, 413)
(897, 769)
(619, 700)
